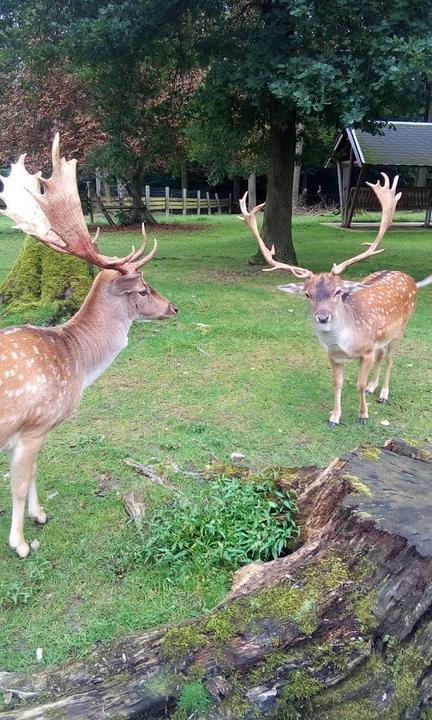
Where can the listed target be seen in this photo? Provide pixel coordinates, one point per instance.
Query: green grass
(239, 370)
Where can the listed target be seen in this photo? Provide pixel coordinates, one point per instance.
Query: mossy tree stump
(340, 629)
(45, 284)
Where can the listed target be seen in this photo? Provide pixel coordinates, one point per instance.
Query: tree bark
(252, 196)
(339, 629)
(277, 226)
(184, 174)
(139, 212)
(236, 194)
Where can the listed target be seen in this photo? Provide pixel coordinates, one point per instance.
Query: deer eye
(307, 295)
(143, 292)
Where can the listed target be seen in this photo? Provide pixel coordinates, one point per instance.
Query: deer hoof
(41, 518)
(332, 424)
(22, 550)
(382, 400)
(363, 420)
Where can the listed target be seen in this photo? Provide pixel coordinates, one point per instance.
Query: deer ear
(130, 283)
(350, 286)
(292, 288)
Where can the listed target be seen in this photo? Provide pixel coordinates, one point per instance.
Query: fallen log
(339, 629)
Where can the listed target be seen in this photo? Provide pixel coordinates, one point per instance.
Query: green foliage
(44, 285)
(231, 524)
(194, 701)
(301, 686)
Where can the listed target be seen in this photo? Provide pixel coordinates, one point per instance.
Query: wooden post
(167, 200)
(184, 198)
(230, 203)
(218, 203)
(352, 202)
(208, 202)
(341, 197)
(346, 184)
(119, 194)
(90, 202)
(147, 196)
(428, 211)
(198, 202)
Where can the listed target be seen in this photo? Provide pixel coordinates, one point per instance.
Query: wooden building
(359, 155)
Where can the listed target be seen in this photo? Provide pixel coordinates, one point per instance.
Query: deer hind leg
(23, 468)
(384, 394)
(373, 384)
(338, 377)
(366, 363)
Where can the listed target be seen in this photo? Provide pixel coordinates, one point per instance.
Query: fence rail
(167, 200)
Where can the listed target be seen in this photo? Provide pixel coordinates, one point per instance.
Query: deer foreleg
(366, 363)
(384, 394)
(373, 384)
(23, 468)
(338, 377)
(35, 510)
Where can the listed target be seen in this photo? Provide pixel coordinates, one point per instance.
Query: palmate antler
(388, 200)
(268, 254)
(49, 209)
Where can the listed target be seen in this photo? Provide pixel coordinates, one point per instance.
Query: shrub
(233, 522)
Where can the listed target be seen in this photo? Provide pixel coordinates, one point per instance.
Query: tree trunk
(45, 285)
(184, 174)
(139, 212)
(339, 629)
(278, 210)
(252, 197)
(236, 194)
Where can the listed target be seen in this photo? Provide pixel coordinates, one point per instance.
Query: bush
(233, 523)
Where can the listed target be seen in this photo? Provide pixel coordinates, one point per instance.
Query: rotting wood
(341, 628)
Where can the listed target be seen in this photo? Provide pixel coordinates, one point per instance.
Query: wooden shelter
(359, 154)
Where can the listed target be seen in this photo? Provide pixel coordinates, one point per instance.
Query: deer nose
(173, 308)
(323, 317)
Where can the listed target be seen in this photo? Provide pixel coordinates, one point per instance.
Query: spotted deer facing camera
(363, 320)
(43, 371)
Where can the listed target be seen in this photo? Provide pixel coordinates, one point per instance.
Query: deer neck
(338, 339)
(98, 332)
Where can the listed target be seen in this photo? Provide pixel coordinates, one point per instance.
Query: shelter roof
(398, 143)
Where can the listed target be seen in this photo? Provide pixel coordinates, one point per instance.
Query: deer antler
(251, 221)
(388, 200)
(50, 211)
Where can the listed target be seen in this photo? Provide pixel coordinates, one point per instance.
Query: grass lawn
(240, 369)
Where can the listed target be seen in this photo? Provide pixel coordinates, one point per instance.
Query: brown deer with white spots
(43, 371)
(363, 320)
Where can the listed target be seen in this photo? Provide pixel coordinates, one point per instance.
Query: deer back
(384, 307)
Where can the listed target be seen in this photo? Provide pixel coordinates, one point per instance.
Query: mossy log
(45, 284)
(339, 629)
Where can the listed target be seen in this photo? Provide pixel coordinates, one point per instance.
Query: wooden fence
(165, 200)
